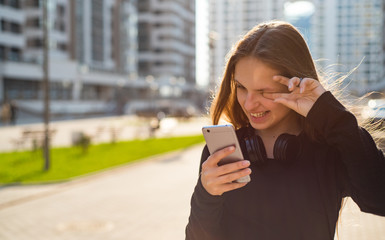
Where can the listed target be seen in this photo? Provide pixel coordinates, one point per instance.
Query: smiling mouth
(259, 114)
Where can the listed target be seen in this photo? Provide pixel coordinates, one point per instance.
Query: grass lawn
(69, 162)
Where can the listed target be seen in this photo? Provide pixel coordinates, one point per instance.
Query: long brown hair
(276, 43)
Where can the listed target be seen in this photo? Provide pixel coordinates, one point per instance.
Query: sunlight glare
(299, 8)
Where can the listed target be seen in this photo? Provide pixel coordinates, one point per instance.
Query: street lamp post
(46, 87)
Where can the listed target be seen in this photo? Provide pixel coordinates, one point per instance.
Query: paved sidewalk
(146, 200)
(356, 225)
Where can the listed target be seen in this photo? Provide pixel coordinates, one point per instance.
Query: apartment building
(229, 20)
(11, 38)
(167, 39)
(349, 34)
(101, 51)
(104, 34)
(93, 50)
(104, 44)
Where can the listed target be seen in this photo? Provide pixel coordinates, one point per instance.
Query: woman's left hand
(302, 93)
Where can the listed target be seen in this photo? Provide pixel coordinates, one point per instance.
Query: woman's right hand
(219, 179)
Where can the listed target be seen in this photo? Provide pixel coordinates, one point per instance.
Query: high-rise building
(349, 34)
(104, 43)
(104, 34)
(229, 20)
(167, 39)
(92, 49)
(103, 51)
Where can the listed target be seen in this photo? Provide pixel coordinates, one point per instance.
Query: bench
(32, 137)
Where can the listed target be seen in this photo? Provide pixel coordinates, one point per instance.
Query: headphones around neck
(286, 149)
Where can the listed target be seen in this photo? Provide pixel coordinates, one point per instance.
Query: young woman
(315, 154)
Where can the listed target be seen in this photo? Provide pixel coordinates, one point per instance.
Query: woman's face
(253, 78)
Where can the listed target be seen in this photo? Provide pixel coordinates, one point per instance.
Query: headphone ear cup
(256, 149)
(287, 148)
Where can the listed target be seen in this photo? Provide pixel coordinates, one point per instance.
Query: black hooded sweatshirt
(301, 200)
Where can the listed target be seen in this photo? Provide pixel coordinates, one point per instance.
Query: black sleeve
(364, 163)
(206, 212)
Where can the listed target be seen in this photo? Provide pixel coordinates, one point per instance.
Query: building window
(14, 54)
(32, 3)
(60, 26)
(60, 9)
(15, 28)
(33, 23)
(144, 67)
(143, 5)
(11, 3)
(34, 43)
(2, 53)
(10, 27)
(21, 89)
(14, 3)
(2, 25)
(62, 46)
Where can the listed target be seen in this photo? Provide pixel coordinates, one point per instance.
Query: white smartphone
(220, 136)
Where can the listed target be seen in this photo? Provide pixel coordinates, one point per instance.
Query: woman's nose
(252, 100)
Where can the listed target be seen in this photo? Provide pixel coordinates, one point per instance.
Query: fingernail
(245, 163)
(231, 148)
(290, 85)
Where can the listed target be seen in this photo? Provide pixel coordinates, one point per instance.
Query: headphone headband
(286, 149)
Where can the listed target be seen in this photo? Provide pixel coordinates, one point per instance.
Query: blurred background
(82, 73)
(129, 57)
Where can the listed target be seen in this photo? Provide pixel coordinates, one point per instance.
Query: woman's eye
(240, 86)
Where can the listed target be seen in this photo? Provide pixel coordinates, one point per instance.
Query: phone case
(220, 136)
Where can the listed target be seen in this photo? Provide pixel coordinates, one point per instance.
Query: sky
(202, 60)
(300, 8)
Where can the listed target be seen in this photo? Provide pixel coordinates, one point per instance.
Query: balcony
(12, 39)
(12, 14)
